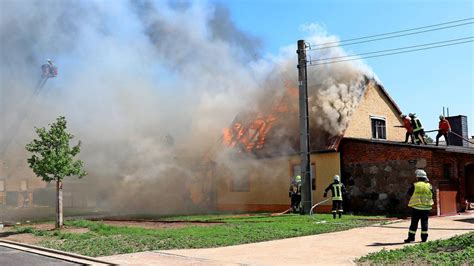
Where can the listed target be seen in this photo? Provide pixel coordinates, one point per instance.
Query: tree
(53, 159)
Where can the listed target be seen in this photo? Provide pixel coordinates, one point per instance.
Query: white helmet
(421, 174)
(337, 178)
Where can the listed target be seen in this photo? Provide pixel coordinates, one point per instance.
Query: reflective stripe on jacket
(337, 188)
(417, 125)
(422, 198)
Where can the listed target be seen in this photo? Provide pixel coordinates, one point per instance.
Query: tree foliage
(53, 158)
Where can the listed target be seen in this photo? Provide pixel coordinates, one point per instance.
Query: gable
(375, 104)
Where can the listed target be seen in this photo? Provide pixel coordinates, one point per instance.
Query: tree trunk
(59, 204)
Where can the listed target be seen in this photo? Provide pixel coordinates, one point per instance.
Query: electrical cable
(394, 49)
(350, 41)
(386, 54)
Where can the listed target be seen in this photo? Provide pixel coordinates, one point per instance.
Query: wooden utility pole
(306, 192)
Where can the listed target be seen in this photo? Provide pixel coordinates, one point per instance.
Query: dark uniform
(337, 190)
(418, 130)
(294, 192)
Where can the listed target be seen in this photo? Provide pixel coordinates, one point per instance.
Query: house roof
(455, 149)
(281, 134)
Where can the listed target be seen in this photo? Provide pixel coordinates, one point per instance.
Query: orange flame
(251, 136)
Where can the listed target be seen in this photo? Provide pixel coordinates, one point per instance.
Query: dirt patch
(156, 225)
(6, 234)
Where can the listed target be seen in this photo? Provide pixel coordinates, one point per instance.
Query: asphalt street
(10, 256)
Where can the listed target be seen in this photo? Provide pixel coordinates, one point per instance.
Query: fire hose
(454, 133)
(314, 206)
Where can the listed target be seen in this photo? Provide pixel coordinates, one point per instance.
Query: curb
(52, 253)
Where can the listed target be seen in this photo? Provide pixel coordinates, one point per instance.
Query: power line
(341, 43)
(394, 32)
(394, 49)
(408, 51)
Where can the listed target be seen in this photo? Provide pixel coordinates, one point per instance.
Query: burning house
(368, 153)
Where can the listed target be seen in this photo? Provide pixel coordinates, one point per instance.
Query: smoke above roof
(148, 87)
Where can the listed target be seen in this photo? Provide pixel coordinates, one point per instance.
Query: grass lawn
(222, 230)
(458, 250)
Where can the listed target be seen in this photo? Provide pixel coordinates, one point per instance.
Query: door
(469, 179)
(447, 199)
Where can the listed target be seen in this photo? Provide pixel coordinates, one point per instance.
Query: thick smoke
(147, 86)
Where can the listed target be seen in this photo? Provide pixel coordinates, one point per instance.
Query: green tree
(53, 159)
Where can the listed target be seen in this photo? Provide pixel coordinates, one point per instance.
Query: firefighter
(295, 193)
(421, 202)
(337, 190)
(407, 125)
(418, 130)
(443, 130)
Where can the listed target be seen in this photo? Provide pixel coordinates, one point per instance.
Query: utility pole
(306, 192)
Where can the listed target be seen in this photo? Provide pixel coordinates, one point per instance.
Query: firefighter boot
(424, 237)
(411, 238)
(334, 215)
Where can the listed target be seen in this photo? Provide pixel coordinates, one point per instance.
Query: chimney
(458, 126)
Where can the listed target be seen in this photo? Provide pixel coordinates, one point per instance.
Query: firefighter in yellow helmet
(421, 202)
(337, 190)
(295, 193)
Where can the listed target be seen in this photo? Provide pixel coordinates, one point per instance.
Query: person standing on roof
(337, 190)
(421, 202)
(407, 125)
(443, 130)
(418, 130)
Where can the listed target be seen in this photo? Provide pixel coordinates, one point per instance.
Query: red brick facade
(378, 174)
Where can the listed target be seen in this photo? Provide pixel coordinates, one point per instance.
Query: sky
(420, 82)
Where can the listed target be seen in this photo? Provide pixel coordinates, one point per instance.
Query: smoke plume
(148, 87)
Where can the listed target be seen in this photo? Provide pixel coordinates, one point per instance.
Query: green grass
(458, 250)
(222, 230)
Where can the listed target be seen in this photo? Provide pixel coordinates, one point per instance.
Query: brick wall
(378, 174)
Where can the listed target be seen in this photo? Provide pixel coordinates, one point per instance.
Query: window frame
(373, 128)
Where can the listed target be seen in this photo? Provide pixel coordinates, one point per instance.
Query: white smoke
(147, 86)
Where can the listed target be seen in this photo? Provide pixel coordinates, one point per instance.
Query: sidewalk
(326, 249)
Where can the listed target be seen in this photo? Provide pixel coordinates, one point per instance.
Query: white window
(24, 185)
(379, 130)
(2, 185)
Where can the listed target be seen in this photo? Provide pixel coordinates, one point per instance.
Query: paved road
(338, 248)
(15, 257)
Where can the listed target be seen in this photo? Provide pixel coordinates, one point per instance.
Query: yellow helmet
(298, 178)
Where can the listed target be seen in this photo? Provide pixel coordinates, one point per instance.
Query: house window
(24, 185)
(2, 185)
(297, 171)
(240, 182)
(378, 128)
(447, 171)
